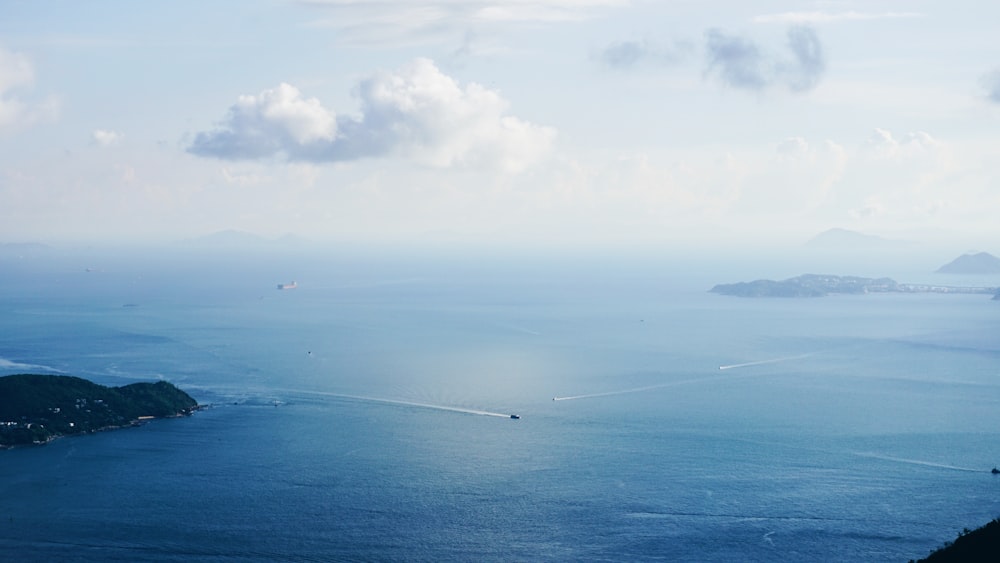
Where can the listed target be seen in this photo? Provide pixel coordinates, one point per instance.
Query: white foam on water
(763, 362)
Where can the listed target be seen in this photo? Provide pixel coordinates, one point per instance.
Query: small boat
(292, 285)
(515, 417)
(995, 471)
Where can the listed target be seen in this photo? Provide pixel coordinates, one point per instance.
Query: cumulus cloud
(882, 144)
(416, 112)
(278, 120)
(796, 181)
(901, 178)
(17, 72)
(740, 63)
(991, 83)
(106, 138)
(793, 146)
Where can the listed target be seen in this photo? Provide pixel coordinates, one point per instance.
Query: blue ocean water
(365, 414)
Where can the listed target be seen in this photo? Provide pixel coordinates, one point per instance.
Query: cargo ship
(292, 285)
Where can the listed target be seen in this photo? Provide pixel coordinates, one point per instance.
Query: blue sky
(556, 121)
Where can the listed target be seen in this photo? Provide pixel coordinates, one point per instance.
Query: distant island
(979, 263)
(35, 409)
(818, 285)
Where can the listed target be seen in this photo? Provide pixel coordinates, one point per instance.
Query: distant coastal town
(819, 285)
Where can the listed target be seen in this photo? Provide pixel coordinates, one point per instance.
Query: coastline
(132, 424)
(36, 409)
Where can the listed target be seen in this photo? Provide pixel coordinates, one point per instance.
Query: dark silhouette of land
(35, 409)
(979, 545)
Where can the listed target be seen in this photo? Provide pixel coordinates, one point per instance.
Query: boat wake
(650, 387)
(6, 364)
(916, 462)
(871, 455)
(402, 403)
(763, 362)
(610, 393)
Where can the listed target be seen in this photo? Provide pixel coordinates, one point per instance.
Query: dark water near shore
(365, 415)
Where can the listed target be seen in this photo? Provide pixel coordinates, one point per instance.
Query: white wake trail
(648, 387)
(610, 393)
(762, 362)
(398, 402)
(869, 455)
(8, 364)
(916, 462)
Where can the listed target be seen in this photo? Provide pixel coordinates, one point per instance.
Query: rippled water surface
(365, 415)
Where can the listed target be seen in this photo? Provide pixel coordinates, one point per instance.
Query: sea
(366, 414)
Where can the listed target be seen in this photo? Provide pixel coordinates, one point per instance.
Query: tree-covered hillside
(971, 546)
(37, 408)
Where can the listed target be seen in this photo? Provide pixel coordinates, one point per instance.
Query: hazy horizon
(556, 122)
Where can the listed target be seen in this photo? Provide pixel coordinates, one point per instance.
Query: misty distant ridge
(23, 247)
(232, 238)
(979, 263)
(844, 239)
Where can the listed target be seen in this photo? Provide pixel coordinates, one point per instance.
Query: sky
(564, 122)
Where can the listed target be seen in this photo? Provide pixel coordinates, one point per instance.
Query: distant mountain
(231, 238)
(23, 247)
(843, 239)
(981, 263)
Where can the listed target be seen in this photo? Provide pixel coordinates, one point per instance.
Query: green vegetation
(982, 544)
(37, 408)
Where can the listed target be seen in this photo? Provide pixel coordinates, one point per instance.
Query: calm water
(352, 417)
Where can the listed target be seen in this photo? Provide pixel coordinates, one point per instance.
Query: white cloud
(793, 146)
(882, 144)
(416, 112)
(17, 72)
(830, 17)
(906, 180)
(274, 121)
(539, 11)
(303, 120)
(796, 181)
(233, 177)
(403, 22)
(106, 138)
